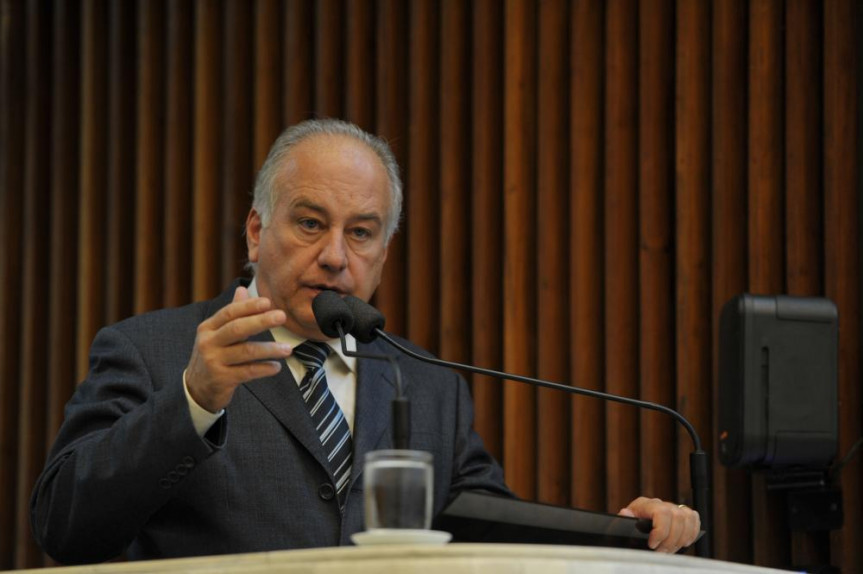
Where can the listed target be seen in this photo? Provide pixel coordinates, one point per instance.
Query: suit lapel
(375, 392)
(280, 394)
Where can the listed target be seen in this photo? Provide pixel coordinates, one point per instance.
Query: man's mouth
(322, 287)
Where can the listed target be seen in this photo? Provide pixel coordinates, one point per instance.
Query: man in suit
(192, 433)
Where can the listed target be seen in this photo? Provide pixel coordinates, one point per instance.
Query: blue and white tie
(327, 416)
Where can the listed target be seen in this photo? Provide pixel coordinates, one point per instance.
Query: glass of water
(398, 489)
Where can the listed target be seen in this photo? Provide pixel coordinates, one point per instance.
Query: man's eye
(362, 233)
(309, 224)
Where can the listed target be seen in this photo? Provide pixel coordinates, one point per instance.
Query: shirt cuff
(202, 419)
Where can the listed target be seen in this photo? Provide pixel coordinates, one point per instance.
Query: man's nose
(334, 254)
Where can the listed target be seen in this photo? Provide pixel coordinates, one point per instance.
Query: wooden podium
(448, 559)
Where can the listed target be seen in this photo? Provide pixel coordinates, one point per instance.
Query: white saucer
(400, 536)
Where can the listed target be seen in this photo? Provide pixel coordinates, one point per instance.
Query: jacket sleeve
(126, 444)
(473, 467)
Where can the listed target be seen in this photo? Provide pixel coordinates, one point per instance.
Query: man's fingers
(241, 294)
(242, 327)
(244, 307)
(676, 525)
(253, 352)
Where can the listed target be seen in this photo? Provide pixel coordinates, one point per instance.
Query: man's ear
(253, 234)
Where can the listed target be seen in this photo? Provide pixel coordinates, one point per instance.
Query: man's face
(326, 231)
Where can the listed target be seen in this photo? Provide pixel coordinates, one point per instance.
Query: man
(190, 436)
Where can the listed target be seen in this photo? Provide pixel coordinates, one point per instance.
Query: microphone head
(366, 319)
(330, 310)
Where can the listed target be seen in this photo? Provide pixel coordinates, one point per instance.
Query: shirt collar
(283, 335)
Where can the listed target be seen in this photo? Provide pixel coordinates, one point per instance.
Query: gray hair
(265, 198)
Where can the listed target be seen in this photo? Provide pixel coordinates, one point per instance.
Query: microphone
(334, 319)
(369, 322)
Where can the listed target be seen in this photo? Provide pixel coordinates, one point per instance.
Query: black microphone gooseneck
(368, 323)
(334, 318)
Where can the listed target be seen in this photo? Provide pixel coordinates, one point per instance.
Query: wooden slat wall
(587, 182)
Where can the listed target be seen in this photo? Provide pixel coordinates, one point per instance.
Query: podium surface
(413, 559)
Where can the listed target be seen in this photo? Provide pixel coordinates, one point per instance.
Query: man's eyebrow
(373, 217)
(307, 204)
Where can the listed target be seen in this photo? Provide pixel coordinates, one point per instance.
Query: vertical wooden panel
(552, 271)
(268, 79)
(238, 176)
(206, 212)
(329, 58)
(656, 251)
(13, 111)
(360, 56)
(486, 215)
(32, 428)
(803, 169)
(93, 179)
(149, 194)
(842, 184)
(731, 520)
(178, 155)
(692, 229)
(455, 298)
(766, 262)
(390, 111)
(519, 459)
(423, 209)
(65, 125)
(298, 60)
(121, 161)
(621, 251)
(586, 246)
(803, 194)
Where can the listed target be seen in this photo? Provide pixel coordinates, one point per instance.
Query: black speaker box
(778, 360)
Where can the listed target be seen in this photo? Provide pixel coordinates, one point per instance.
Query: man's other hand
(223, 358)
(674, 526)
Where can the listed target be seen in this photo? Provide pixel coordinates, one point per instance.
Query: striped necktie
(328, 418)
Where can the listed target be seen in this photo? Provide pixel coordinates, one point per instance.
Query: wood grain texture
(121, 161)
(587, 266)
(766, 206)
(455, 297)
(329, 59)
(732, 491)
(177, 274)
(32, 406)
(13, 126)
(360, 57)
(621, 250)
(149, 161)
(391, 79)
(842, 191)
(486, 215)
(519, 241)
(298, 61)
(656, 244)
(422, 209)
(268, 39)
(207, 154)
(238, 172)
(552, 262)
(692, 221)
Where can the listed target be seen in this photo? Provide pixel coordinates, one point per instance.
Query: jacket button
(165, 483)
(188, 461)
(326, 491)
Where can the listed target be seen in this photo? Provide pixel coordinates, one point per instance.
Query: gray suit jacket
(129, 472)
